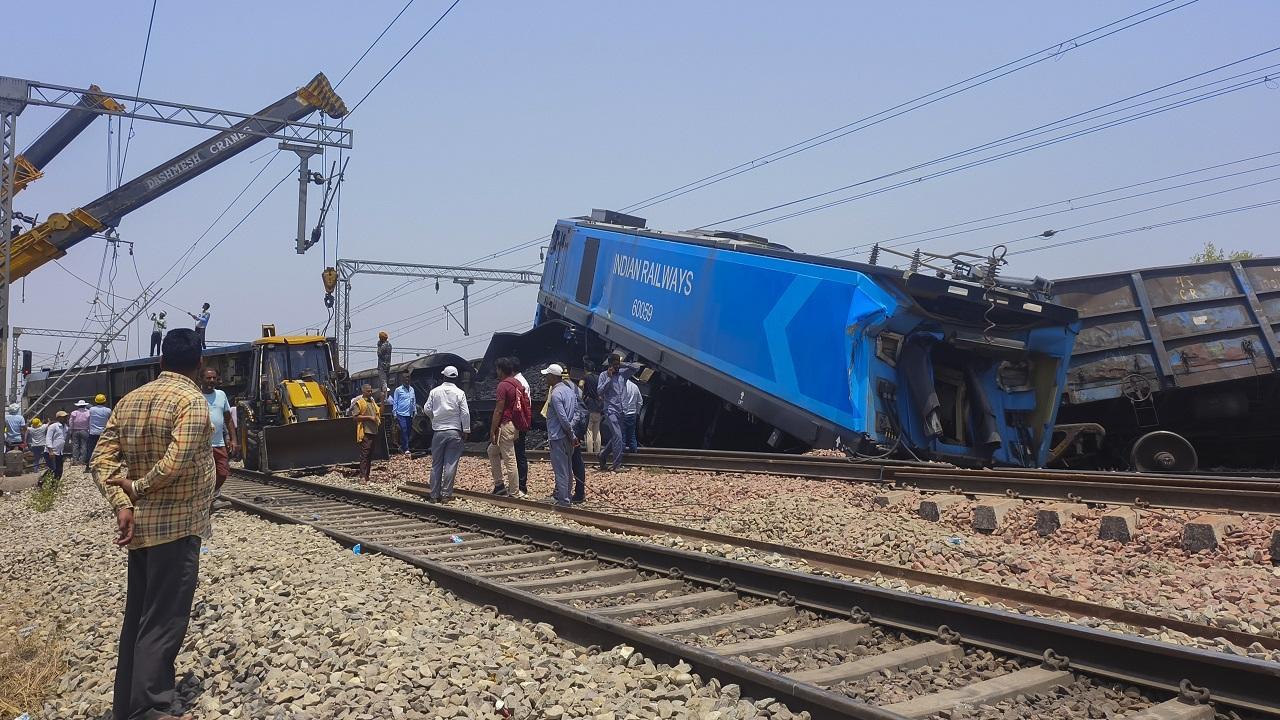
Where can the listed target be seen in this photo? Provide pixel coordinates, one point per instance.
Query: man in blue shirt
(405, 403)
(99, 413)
(202, 322)
(224, 427)
(562, 410)
(612, 389)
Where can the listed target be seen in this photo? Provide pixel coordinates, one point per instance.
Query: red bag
(522, 410)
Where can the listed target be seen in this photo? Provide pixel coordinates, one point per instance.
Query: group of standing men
(50, 443)
(159, 323)
(575, 414)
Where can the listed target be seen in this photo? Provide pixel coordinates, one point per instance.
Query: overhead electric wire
(372, 44)
(890, 242)
(1031, 59)
(1153, 226)
(1130, 214)
(124, 157)
(847, 252)
(1062, 123)
(405, 55)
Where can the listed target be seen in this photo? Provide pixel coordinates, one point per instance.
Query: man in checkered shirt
(154, 466)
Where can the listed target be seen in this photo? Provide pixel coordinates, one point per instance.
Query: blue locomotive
(754, 346)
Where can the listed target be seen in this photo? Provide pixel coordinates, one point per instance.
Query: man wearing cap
(562, 413)
(450, 422)
(15, 428)
(78, 432)
(99, 413)
(55, 443)
(384, 361)
(612, 388)
(404, 402)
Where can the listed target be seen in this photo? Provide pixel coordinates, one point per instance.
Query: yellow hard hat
(35, 422)
(99, 398)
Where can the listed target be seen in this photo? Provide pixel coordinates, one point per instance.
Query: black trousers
(579, 474)
(200, 334)
(162, 583)
(522, 463)
(156, 339)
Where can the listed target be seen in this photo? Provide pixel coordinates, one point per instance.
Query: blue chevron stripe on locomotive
(871, 359)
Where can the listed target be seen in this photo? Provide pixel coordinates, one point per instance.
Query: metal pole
(304, 178)
(346, 324)
(13, 368)
(466, 305)
(13, 99)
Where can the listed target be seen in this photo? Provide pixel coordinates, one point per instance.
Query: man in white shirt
(450, 423)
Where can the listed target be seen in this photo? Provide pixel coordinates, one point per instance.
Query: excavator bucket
(314, 444)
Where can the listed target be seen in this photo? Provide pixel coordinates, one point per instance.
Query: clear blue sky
(512, 114)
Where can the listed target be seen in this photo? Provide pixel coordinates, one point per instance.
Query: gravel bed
(289, 624)
(1081, 699)
(889, 687)
(880, 530)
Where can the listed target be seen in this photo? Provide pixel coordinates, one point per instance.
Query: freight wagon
(234, 364)
(1175, 367)
(752, 345)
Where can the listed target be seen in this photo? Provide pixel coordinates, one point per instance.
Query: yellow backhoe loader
(291, 416)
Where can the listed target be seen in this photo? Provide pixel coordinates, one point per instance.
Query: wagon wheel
(1135, 387)
(1163, 451)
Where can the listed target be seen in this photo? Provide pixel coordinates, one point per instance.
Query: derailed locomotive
(754, 346)
(1175, 368)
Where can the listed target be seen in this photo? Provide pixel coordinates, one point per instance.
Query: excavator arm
(51, 239)
(31, 163)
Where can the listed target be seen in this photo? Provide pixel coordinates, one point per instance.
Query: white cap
(81, 403)
(553, 369)
(449, 371)
(14, 408)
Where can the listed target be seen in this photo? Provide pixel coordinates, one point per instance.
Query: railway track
(741, 622)
(858, 567)
(1178, 492)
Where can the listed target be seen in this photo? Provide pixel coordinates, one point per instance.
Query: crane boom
(32, 161)
(52, 238)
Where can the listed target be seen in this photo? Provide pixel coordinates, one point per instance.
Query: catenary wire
(405, 55)
(124, 156)
(1262, 74)
(891, 242)
(974, 81)
(1073, 208)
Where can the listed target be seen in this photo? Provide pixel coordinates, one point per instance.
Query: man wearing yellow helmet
(99, 413)
(37, 431)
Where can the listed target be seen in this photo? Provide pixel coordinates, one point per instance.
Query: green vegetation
(46, 495)
(1212, 254)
